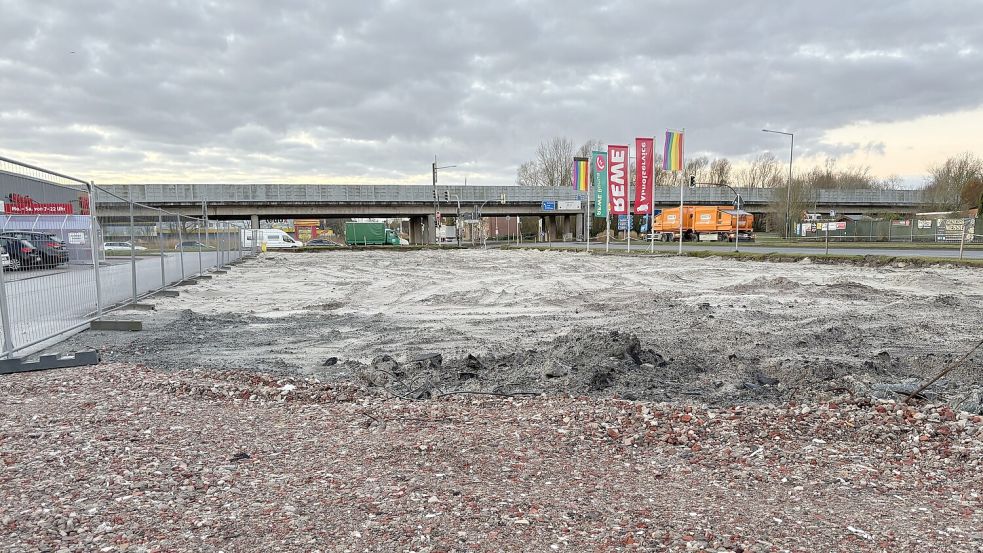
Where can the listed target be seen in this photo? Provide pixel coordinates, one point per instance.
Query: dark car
(322, 243)
(192, 245)
(52, 249)
(22, 253)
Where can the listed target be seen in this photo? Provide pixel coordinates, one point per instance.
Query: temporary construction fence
(74, 252)
(940, 228)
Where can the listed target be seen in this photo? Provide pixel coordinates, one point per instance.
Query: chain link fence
(72, 252)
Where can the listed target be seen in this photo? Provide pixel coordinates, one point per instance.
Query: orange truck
(704, 223)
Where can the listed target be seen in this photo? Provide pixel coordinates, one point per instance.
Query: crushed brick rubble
(125, 458)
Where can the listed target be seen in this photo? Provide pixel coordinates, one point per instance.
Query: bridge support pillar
(254, 221)
(421, 230)
(430, 230)
(580, 227)
(551, 228)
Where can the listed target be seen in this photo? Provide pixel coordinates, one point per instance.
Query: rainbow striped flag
(581, 174)
(672, 156)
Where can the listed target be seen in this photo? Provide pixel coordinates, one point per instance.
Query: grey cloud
(381, 86)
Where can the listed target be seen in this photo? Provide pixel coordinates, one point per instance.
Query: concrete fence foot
(125, 326)
(78, 359)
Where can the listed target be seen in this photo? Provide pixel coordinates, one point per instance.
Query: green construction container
(370, 234)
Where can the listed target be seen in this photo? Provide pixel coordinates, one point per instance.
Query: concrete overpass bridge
(556, 206)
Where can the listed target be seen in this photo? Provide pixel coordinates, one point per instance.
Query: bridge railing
(327, 193)
(163, 194)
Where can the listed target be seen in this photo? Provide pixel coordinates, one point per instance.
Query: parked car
(22, 253)
(193, 245)
(322, 243)
(50, 247)
(121, 246)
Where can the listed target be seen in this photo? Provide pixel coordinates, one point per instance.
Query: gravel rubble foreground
(125, 458)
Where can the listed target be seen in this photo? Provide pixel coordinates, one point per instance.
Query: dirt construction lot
(512, 400)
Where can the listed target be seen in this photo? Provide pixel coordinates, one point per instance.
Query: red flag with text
(644, 158)
(618, 179)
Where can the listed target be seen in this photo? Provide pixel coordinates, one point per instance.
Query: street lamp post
(788, 192)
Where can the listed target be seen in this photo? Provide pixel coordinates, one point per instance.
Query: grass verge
(832, 259)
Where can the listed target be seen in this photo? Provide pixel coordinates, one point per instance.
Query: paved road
(804, 250)
(45, 302)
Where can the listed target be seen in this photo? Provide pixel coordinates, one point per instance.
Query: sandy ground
(267, 410)
(715, 330)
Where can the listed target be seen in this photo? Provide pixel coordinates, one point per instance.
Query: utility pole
(436, 206)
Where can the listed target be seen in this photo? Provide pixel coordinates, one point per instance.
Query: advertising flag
(580, 174)
(618, 179)
(599, 168)
(672, 158)
(644, 158)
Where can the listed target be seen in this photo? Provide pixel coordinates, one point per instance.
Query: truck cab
(392, 238)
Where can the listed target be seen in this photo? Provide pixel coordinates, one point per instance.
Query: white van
(272, 237)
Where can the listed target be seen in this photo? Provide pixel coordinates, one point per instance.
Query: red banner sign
(643, 174)
(618, 179)
(24, 205)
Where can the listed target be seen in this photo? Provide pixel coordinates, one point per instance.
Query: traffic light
(692, 181)
(447, 196)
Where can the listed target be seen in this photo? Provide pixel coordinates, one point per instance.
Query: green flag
(599, 170)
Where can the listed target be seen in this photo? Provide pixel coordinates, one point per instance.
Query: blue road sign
(549, 206)
(622, 222)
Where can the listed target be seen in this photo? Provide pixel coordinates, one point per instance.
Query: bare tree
(592, 145)
(764, 171)
(957, 183)
(720, 171)
(555, 160)
(528, 174)
(801, 198)
(553, 165)
(659, 176)
(698, 167)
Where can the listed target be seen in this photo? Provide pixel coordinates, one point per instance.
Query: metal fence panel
(66, 260)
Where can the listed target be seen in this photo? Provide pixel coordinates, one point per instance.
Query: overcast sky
(370, 91)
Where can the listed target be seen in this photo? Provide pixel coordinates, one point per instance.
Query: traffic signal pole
(436, 208)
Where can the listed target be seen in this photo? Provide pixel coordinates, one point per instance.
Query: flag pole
(590, 172)
(607, 232)
(628, 201)
(682, 184)
(652, 205)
